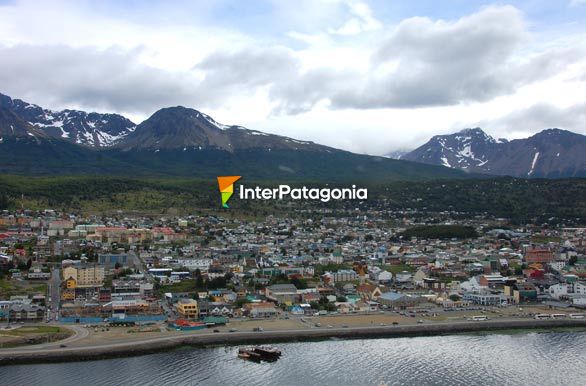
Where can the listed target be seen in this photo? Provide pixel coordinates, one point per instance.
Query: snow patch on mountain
(535, 157)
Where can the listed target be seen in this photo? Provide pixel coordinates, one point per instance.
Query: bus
(542, 316)
(479, 318)
(558, 316)
(577, 316)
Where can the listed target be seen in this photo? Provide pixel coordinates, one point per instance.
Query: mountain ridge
(89, 129)
(183, 142)
(551, 153)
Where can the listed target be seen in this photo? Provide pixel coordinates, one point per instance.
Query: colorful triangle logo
(226, 185)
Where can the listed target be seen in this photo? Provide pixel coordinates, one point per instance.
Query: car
(395, 323)
(420, 321)
(344, 326)
(62, 345)
(233, 330)
(216, 330)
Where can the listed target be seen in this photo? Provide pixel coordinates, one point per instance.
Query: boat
(248, 355)
(259, 353)
(268, 352)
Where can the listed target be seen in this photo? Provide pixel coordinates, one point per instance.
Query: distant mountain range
(178, 141)
(552, 153)
(91, 129)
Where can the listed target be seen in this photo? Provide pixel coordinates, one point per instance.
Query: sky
(366, 76)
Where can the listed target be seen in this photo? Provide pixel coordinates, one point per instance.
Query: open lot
(30, 335)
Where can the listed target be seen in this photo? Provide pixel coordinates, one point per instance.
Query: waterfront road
(53, 352)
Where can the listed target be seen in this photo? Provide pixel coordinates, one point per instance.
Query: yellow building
(68, 294)
(70, 283)
(90, 277)
(187, 308)
(85, 277)
(70, 272)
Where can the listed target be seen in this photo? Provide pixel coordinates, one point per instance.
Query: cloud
(577, 3)
(425, 63)
(437, 63)
(362, 20)
(533, 119)
(109, 79)
(252, 67)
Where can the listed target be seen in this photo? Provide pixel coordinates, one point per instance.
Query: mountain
(552, 153)
(183, 142)
(188, 129)
(397, 154)
(89, 129)
(13, 127)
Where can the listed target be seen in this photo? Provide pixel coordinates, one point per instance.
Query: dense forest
(521, 200)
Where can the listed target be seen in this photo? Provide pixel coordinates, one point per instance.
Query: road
(42, 352)
(55, 293)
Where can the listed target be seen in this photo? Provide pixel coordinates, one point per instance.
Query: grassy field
(10, 288)
(34, 330)
(539, 239)
(29, 335)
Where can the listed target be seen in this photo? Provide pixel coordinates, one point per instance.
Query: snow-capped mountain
(550, 153)
(465, 149)
(187, 129)
(89, 129)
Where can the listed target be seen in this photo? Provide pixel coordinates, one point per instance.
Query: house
(403, 277)
(433, 284)
(296, 310)
(368, 291)
(26, 312)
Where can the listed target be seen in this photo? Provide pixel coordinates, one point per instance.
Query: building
(260, 310)
(492, 281)
(398, 300)
(524, 292)
(187, 308)
(539, 255)
(26, 312)
(84, 277)
(484, 299)
(343, 275)
(368, 291)
(282, 293)
(110, 260)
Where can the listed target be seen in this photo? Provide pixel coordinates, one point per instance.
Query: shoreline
(155, 345)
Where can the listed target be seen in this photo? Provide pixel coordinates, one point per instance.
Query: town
(193, 272)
